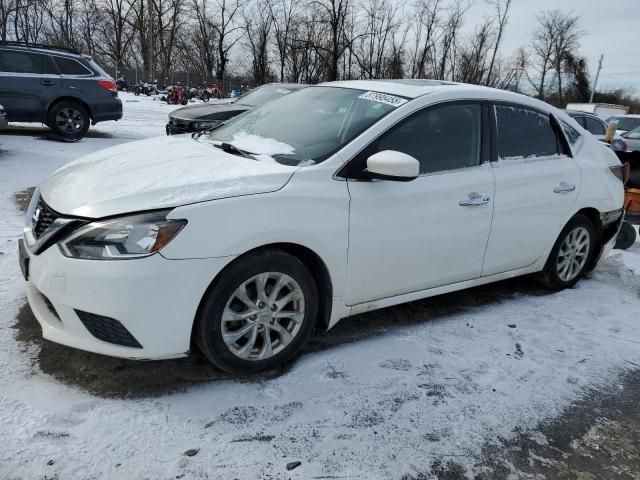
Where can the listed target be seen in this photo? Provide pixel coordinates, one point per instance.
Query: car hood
(216, 111)
(157, 173)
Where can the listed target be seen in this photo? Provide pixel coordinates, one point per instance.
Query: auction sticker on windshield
(384, 98)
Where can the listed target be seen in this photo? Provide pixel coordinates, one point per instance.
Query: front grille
(43, 217)
(107, 329)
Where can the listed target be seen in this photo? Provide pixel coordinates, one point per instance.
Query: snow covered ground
(432, 381)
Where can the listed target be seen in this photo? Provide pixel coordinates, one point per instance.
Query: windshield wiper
(230, 148)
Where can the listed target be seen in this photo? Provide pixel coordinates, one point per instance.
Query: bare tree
(502, 15)
(283, 13)
(227, 30)
(333, 14)
(257, 23)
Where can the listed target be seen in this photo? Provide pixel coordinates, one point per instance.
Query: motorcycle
(177, 94)
(144, 88)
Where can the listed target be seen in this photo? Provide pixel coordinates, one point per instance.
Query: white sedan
(330, 201)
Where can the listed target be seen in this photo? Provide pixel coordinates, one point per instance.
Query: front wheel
(259, 314)
(571, 254)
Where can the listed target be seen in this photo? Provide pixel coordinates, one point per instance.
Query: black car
(197, 118)
(590, 122)
(56, 86)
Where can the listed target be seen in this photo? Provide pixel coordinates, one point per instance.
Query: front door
(410, 236)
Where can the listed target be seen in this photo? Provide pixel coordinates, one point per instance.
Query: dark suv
(59, 87)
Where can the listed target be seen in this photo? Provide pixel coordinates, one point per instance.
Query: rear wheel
(259, 314)
(69, 120)
(571, 254)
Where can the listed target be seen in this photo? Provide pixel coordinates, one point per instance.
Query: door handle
(47, 83)
(475, 199)
(564, 187)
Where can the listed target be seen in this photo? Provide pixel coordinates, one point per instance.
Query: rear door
(537, 184)
(28, 81)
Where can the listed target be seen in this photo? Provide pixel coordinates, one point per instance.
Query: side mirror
(392, 165)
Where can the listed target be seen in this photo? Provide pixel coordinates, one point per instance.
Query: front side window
(69, 66)
(14, 61)
(524, 133)
(594, 126)
(441, 138)
(309, 125)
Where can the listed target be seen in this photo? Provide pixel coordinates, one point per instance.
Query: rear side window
(69, 66)
(14, 61)
(524, 133)
(594, 126)
(441, 138)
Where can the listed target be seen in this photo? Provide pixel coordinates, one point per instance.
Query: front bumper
(153, 298)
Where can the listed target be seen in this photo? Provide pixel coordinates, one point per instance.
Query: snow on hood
(156, 173)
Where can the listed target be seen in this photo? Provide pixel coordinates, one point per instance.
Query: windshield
(633, 134)
(308, 125)
(261, 95)
(626, 123)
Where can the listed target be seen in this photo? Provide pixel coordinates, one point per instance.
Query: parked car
(590, 122)
(633, 140)
(56, 86)
(3, 118)
(197, 118)
(330, 201)
(626, 123)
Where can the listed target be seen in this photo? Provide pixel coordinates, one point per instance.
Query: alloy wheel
(70, 120)
(573, 254)
(263, 316)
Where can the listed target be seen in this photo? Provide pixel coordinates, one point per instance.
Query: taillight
(108, 85)
(621, 171)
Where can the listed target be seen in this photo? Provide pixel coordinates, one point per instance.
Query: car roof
(409, 88)
(292, 86)
(61, 51)
(628, 115)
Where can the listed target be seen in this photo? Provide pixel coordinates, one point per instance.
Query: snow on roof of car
(408, 88)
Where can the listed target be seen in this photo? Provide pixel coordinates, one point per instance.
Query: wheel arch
(317, 267)
(68, 98)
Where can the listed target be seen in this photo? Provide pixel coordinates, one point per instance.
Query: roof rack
(13, 43)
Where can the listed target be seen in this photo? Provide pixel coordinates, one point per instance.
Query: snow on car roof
(414, 88)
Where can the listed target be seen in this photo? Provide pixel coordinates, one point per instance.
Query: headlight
(203, 125)
(133, 236)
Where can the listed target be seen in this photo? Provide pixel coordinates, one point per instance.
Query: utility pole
(150, 6)
(595, 83)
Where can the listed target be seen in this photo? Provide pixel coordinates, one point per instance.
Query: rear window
(524, 133)
(69, 66)
(14, 61)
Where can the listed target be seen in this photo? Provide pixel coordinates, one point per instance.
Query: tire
(554, 275)
(626, 236)
(246, 325)
(69, 120)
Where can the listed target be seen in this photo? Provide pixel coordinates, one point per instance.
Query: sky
(610, 27)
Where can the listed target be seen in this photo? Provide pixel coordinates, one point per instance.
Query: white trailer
(603, 110)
